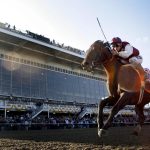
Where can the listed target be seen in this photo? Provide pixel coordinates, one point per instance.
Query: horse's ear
(99, 41)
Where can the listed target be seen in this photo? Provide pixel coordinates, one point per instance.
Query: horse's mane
(99, 41)
(107, 46)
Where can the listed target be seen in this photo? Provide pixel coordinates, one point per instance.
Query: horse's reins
(110, 50)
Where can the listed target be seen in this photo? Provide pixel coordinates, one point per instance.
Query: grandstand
(40, 75)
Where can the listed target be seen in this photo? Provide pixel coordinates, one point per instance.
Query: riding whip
(101, 29)
(103, 34)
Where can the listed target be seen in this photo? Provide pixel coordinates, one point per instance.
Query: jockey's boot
(141, 72)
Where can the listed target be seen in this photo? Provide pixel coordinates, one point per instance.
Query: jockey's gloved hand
(114, 52)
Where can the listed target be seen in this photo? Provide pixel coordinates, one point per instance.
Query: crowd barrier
(47, 126)
(41, 126)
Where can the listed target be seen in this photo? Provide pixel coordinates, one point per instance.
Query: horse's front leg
(118, 106)
(141, 118)
(108, 101)
(101, 105)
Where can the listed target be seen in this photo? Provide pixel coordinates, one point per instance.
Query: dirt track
(119, 138)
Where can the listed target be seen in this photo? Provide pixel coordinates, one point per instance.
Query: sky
(74, 23)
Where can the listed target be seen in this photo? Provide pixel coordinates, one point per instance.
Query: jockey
(129, 54)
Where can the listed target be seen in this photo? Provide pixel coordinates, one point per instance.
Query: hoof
(102, 133)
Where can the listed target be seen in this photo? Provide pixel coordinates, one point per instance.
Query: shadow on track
(117, 136)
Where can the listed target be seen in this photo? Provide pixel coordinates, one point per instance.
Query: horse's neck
(112, 67)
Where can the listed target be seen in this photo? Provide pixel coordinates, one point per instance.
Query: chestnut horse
(123, 82)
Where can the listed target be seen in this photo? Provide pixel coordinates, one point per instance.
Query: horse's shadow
(117, 136)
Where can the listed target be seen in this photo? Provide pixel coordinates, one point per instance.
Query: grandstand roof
(15, 39)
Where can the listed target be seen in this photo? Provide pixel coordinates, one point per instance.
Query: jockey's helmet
(116, 40)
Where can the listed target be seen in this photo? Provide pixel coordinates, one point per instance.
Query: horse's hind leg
(141, 118)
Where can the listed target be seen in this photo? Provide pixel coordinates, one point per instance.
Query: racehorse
(123, 82)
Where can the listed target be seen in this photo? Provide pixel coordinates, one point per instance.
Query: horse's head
(97, 54)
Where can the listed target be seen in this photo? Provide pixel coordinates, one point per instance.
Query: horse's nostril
(83, 64)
